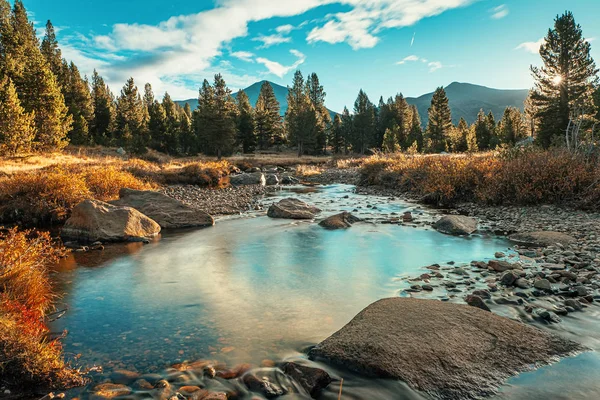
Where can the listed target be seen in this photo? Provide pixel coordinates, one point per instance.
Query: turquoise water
(250, 288)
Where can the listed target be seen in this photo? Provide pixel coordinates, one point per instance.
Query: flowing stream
(253, 288)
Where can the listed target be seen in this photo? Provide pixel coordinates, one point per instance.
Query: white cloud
(408, 58)
(271, 40)
(359, 26)
(531, 47)
(499, 12)
(243, 55)
(281, 70)
(434, 66)
(176, 52)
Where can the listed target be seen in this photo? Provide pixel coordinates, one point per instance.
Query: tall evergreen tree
(364, 129)
(172, 126)
(439, 123)
(512, 126)
(530, 114)
(415, 135)
(79, 102)
(460, 137)
(347, 129)
(17, 130)
(35, 83)
(390, 140)
(402, 120)
(495, 139)
(222, 131)
(565, 83)
(53, 55)
(203, 115)
(483, 131)
(268, 121)
(103, 122)
(301, 118)
(336, 139)
(130, 130)
(316, 94)
(188, 138)
(245, 123)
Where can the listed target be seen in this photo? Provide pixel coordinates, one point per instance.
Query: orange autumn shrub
(202, 173)
(27, 357)
(105, 182)
(519, 176)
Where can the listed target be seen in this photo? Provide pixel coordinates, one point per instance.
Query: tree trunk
(219, 154)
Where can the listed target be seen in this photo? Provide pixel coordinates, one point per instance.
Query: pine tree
(245, 123)
(203, 115)
(530, 114)
(402, 119)
(53, 55)
(483, 131)
(439, 124)
(390, 140)
(364, 129)
(493, 128)
(268, 121)
(35, 83)
(172, 126)
(222, 131)
(512, 126)
(130, 131)
(459, 137)
(415, 135)
(17, 130)
(79, 102)
(302, 120)
(316, 94)
(565, 83)
(336, 139)
(347, 129)
(103, 122)
(188, 138)
(156, 119)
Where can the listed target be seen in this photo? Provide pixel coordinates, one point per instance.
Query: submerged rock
(339, 221)
(94, 220)
(542, 238)
(456, 225)
(476, 301)
(255, 178)
(272, 180)
(109, 391)
(293, 209)
(166, 211)
(447, 350)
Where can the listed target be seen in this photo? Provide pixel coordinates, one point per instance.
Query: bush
(208, 174)
(26, 356)
(525, 176)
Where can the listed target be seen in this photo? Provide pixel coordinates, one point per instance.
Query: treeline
(45, 104)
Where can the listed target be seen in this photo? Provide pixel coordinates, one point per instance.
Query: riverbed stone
(292, 209)
(339, 221)
(476, 301)
(255, 178)
(542, 238)
(94, 220)
(313, 380)
(456, 225)
(109, 391)
(457, 351)
(272, 180)
(542, 284)
(123, 376)
(166, 211)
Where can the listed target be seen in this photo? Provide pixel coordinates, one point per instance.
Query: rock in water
(168, 212)
(456, 225)
(293, 209)
(339, 221)
(542, 238)
(313, 380)
(448, 350)
(476, 301)
(255, 178)
(272, 180)
(94, 220)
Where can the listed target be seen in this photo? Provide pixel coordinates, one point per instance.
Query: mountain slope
(467, 99)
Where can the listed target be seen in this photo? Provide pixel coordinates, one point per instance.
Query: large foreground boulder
(450, 351)
(339, 221)
(168, 212)
(94, 220)
(456, 225)
(255, 178)
(542, 238)
(292, 209)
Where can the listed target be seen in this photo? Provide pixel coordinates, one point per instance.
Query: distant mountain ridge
(465, 100)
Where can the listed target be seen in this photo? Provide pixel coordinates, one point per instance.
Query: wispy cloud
(280, 70)
(271, 40)
(433, 65)
(359, 27)
(499, 12)
(407, 59)
(243, 55)
(531, 47)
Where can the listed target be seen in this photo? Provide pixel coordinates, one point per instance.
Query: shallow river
(256, 288)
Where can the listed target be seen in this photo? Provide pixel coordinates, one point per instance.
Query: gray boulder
(168, 212)
(542, 238)
(447, 350)
(94, 220)
(293, 209)
(272, 180)
(313, 380)
(339, 221)
(456, 225)
(255, 178)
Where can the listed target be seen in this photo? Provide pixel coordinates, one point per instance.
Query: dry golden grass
(26, 295)
(308, 170)
(525, 176)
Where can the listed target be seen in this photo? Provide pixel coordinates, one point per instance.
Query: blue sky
(381, 46)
